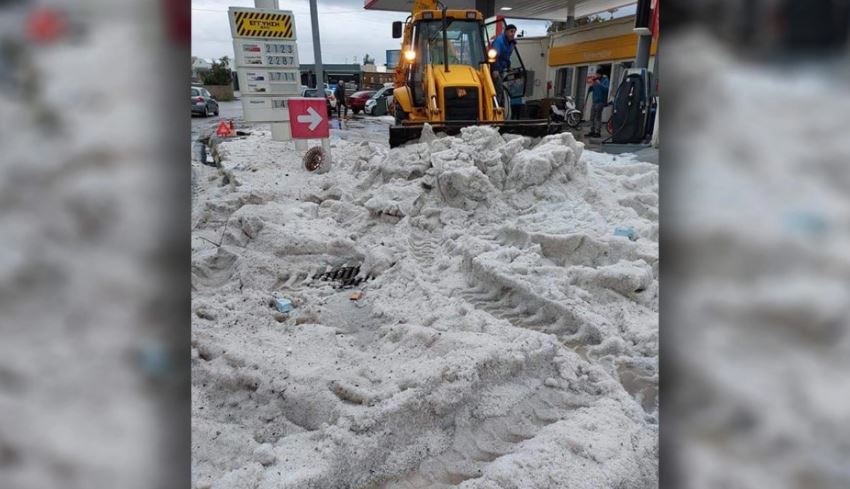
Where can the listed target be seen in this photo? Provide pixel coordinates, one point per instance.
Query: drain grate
(346, 277)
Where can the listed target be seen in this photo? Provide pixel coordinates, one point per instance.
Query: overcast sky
(346, 28)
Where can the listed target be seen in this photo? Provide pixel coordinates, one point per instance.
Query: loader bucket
(403, 133)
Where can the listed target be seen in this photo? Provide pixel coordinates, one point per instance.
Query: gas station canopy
(556, 10)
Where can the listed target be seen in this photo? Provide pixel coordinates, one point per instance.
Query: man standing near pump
(504, 46)
(599, 91)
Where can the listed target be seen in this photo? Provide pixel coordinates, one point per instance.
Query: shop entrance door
(581, 87)
(563, 82)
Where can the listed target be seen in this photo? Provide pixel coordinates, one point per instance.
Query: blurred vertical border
(94, 247)
(755, 245)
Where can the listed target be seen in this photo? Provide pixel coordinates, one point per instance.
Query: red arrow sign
(654, 23)
(308, 118)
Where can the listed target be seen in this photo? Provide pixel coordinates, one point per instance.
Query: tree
(562, 26)
(556, 27)
(590, 19)
(219, 74)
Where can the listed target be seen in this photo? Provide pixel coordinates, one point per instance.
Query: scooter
(569, 114)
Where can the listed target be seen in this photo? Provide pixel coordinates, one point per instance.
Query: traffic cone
(46, 25)
(225, 129)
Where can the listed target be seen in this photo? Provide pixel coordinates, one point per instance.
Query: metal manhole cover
(345, 277)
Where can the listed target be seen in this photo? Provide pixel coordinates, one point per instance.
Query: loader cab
(462, 42)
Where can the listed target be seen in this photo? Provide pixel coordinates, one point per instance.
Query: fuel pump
(632, 107)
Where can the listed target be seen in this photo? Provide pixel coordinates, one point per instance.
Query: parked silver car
(203, 102)
(381, 101)
(330, 98)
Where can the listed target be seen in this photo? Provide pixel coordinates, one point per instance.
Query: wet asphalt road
(360, 127)
(227, 111)
(356, 128)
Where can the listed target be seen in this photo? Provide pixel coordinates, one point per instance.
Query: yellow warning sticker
(268, 25)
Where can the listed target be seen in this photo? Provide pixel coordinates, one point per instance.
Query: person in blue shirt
(599, 91)
(504, 46)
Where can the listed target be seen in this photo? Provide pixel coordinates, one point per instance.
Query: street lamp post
(317, 48)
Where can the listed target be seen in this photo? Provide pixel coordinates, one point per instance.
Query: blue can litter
(626, 233)
(283, 305)
(805, 222)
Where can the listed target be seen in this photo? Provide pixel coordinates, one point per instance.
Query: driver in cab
(504, 46)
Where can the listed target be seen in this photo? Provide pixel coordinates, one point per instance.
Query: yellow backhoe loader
(444, 77)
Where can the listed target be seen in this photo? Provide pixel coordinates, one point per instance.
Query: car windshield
(195, 92)
(465, 43)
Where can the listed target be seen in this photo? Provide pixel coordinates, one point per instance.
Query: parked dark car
(203, 102)
(329, 97)
(357, 100)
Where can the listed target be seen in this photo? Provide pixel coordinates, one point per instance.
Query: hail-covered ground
(506, 336)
